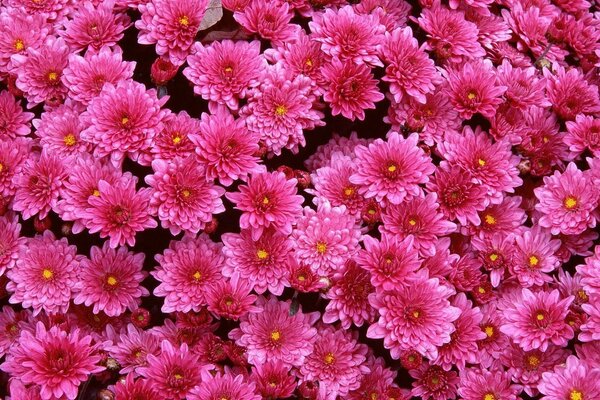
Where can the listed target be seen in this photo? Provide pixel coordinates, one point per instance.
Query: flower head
(59, 131)
(21, 31)
(176, 138)
(574, 380)
(14, 121)
(270, 21)
(10, 241)
(225, 386)
(570, 93)
(231, 299)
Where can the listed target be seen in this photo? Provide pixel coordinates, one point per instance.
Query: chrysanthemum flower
(119, 212)
(392, 13)
(174, 372)
(350, 89)
(175, 139)
(433, 383)
(477, 384)
(496, 252)
(268, 199)
(172, 25)
(326, 238)
(39, 72)
(123, 120)
(415, 316)
(85, 76)
(59, 131)
(18, 390)
(130, 389)
(54, 359)
(186, 271)
(14, 121)
(11, 325)
(570, 93)
(231, 299)
(524, 87)
(10, 241)
(51, 10)
(38, 183)
(537, 320)
(495, 343)
(465, 273)
(21, 31)
(224, 70)
(337, 144)
(263, 262)
(273, 380)
(534, 257)
(348, 36)
(504, 218)
(110, 280)
(304, 279)
(409, 70)
(418, 218)
(276, 333)
(280, 109)
(450, 35)
(95, 26)
(589, 273)
(225, 386)
(336, 362)
(270, 21)
(590, 330)
(573, 380)
(44, 274)
(132, 347)
(389, 261)
(582, 134)
(392, 170)
(375, 383)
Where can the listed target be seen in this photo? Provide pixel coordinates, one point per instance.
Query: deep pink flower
(348, 36)
(93, 27)
(59, 131)
(392, 170)
(119, 212)
(323, 155)
(570, 93)
(495, 343)
(273, 380)
(110, 280)
(574, 380)
(21, 392)
(590, 330)
(186, 271)
(524, 87)
(268, 199)
(378, 382)
(231, 299)
(477, 384)
(39, 72)
(38, 184)
(21, 31)
(270, 21)
(85, 76)
(504, 218)
(13, 153)
(10, 241)
(11, 325)
(132, 347)
(225, 147)
(123, 120)
(224, 386)
(409, 70)
(130, 389)
(433, 383)
(176, 138)
(54, 359)
(534, 257)
(589, 273)
(263, 262)
(51, 10)
(392, 13)
(224, 70)
(336, 362)
(496, 252)
(276, 333)
(350, 89)
(172, 25)
(582, 134)
(14, 121)
(416, 316)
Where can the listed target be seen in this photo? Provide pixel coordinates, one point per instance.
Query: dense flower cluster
(320, 200)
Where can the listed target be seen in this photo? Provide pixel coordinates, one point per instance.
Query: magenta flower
(223, 71)
(268, 199)
(59, 131)
(56, 360)
(478, 384)
(181, 195)
(224, 386)
(496, 252)
(589, 273)
(524, 87)
(392, 170)
(186, 271)
(131, 389)
(132, 347)
(350, 89)
(271, 21)
(231, 299)
(573, 380)
(324, 154)
(13, 154)
(52, 10)
(570, 93)
(10, 241)
(273, 380)
(14, 121)
(534, 257)
(176, 138)
(432, 382)
(504, 218)
(21, 31)
(110, 280)
(582, 134)
(171, 25)
(590, 330)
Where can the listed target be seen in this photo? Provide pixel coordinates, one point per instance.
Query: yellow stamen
(228, 70)
(47, 274)
(493, 256)
(280, 110)
(533, 261)
(178, 376)
(52, 76)
(575, 395)
(124, 121)
(412, 222)
(19, 45)
(540, 317)
(186, 193)
(570, 203)
(184, 20)
(416, 314)
(489, 331)
(489, 219)
(371, 211)
(262, 254)
(533, 361)
(96, 193)
(70, 140)
(481, 290)
(265, 200)
(111, 280)
(349, 191)
(489, 396)
(301, 278)
(481, 162)
(176, 139)
(197, 275)
(1, 167)
(275, 335)
(471, 95)
(308, 62)
(329, 358)
(392, 168)
(582, 295)
(321, 247)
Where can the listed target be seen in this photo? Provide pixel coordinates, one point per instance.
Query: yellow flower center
(471, 95)
(580, 293)
(308, 62)
(575, 395)
(540, 317)
(52, 76)
(489, 219)
(481, 290)
(489, 396)
(392, 168)
(265, 200)
(570, 203)
(280, 110)
(489, 331)
(111, 280)
(493, 256)
(481, 162)
(228, 70)
(47, 274)
(329, 358)
(19, 45)
(371, 211)
(533, 361)
(321, 247)
(96, 193)
(301, 278)
(412, 222)
(349, 191)
(184, 20)
(178, 376)
(416, 314)
(262, 254)
(1, 167)
(533, 261)
(275, 335)
(186, 193)
(70, 140)
(124, 121)
(197, 275)
(176, 139)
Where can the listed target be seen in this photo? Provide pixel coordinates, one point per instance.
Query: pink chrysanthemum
(44, 275)
(130, 389)
(11, 325)
(21, 392)
(123, 120)
(477, 384)
(392, 170)
(326, 238)
(524, 87)
(119, 212)
(378, 382)
(59, 131)
(172, 25)
(502, 218)
(276, 333)
(132, 348)
(38, 185)
(567, 202)
(415, 316)
(418, 218)
(433, 383)
(10, 241)
(450, 35)
(52, 10)
(223, 71)
(268, 199)
(582, 134)
(263, 262)
(174, 372)
(389, 261)
(392, 13)
(21, 31)
(537, 320)
(281, 109)
(176, 138)
(54, 359)
(337, 144)
(110, 280)
(93, 27)
(273, 380)
(13, 153)
(225, 386)
(495, 343)
(13, 121)
(350, 89)
(39, 72)
(409, 69)
(589, 273)
(534, 257)
(270, 21)
(570, 93)
(472, 89)
(348, 36)
(85, 76)
(573, 380)
(590, 330)
(231, 299)
(182, 196)
(496, 253)
(186, 271)
(337, 362)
